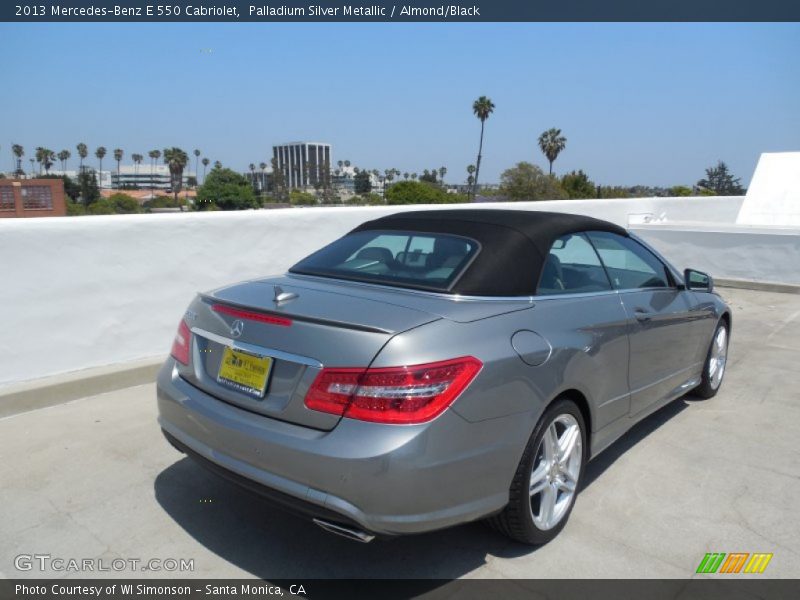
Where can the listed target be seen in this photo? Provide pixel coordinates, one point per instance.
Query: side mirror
(697, 280)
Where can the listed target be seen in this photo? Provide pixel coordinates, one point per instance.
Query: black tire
(707, 389)
(516, 520)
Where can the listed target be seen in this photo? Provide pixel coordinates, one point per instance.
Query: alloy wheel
(555, 471)
(718, 358)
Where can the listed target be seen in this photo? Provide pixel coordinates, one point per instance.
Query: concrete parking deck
(94, 478)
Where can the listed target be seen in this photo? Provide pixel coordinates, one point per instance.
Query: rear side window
(431, 261)
(629, 264)
(572, 266)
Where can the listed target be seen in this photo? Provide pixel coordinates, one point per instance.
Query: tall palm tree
(551, 143)
(48, 158)
(177, 160)
(482, 108)
(197, 154)
(442, 173)
(100, 154)
(137, 160)
(83, 152)
(19, 152)
(263, 167)
(205, 162)
(154, 156)
(40, 150)
(32, 171)
(63, 156)
(118, 154)
(347, 163)
(406, 175)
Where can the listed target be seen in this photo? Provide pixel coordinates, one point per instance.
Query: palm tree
(100, 153)
(217, 164)
(551, 143)
(482, 108)
(197, 154)
(263, 167)
(205, 162)
(118, 154)
(83, 152)
(19, 152)
(32, 172)
(177, 160)
(442, 173)
(406, 175)
(414, 176)
(137, 160)
(347, 164)
(48, 158)
(63, 156)
(340, 164)
(40, 157)
(154, 156)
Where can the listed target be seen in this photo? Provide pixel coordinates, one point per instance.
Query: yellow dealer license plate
(245, 372)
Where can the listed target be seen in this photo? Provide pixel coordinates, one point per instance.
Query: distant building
(32, 198)
(132, 177)
(303, 164)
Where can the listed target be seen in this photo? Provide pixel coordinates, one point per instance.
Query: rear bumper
(383, 479)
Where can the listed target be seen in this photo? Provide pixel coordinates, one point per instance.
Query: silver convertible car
(437, 367)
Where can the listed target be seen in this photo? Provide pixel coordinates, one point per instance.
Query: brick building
(32, 198)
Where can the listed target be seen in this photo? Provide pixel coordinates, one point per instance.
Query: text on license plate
(245, 372)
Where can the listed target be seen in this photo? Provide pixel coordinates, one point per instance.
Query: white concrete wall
(760, 254)
(83, 292)
(773, 197)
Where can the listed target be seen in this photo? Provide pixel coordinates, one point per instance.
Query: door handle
(642, 315)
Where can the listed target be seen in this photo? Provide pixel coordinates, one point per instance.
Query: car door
(661, 323)
(581, 316)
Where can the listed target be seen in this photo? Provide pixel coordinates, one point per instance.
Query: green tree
(123, 204)
(87, 184)
(118, 154)
(616, 191)
(721, 181)
(154, 156)
(482, 108)
(18, 152)
(227, 190)
(680, 190)
(205, 162)
(418, 192)
(551, 143)
(176, 159)
(83, 152)
(100, 154)
(197, 154)
(63, 157)
(442, 173)
(298, 198)
(362, 183)
(278, 181)
(526, 181)
(578, 185)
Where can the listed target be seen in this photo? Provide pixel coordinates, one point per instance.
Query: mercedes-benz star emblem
(237, 327)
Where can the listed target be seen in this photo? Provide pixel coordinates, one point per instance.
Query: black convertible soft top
(514, 243)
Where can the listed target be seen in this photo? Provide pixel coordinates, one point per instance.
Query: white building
(142, 177)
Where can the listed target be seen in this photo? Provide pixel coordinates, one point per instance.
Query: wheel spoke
(538, 478)
(547, 505)
(567, 443)
(550, 442)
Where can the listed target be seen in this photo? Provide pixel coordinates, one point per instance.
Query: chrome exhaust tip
(350, 534)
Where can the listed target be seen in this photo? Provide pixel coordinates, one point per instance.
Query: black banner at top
(377, 11)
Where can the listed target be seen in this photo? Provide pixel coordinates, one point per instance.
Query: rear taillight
(182, 343)
(392, 395)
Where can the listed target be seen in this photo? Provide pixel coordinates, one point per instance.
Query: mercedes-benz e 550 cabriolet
(432, 368)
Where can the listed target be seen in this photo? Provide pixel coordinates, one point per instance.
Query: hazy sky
(639, 103)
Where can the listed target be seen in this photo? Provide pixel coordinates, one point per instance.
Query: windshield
(431, 261)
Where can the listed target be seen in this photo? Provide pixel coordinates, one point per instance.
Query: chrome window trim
(254, 349)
